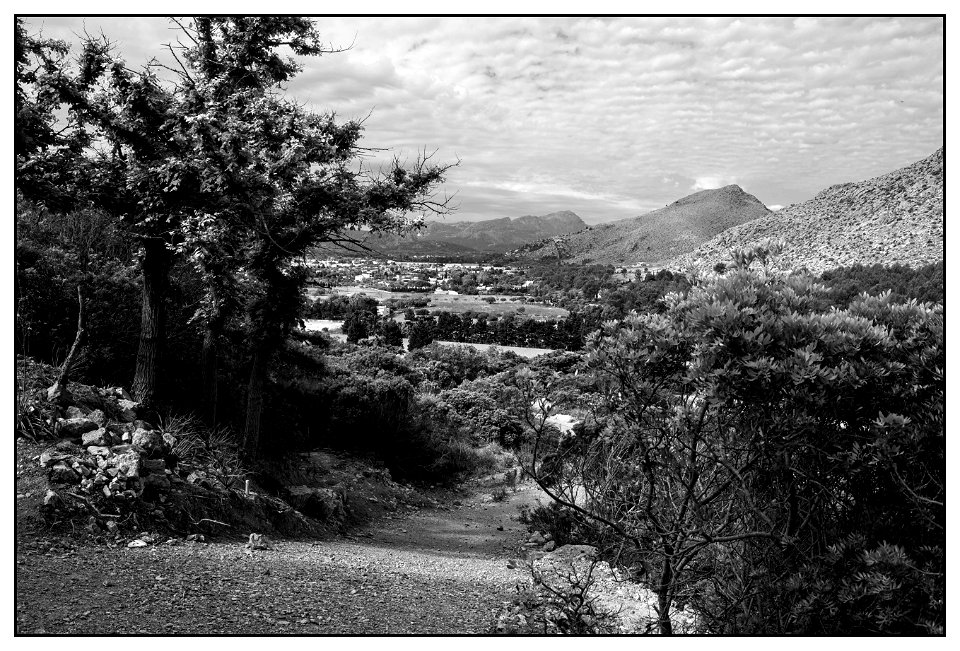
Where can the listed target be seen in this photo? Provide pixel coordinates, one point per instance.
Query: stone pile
(115, 459)
(107, 454)
(539, 542)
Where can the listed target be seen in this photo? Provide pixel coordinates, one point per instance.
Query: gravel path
(439, 571)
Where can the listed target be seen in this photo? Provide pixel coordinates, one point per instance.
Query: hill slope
(661, 234)
(894, 218)
(489, 235)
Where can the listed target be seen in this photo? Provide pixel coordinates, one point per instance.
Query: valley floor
(434, 571)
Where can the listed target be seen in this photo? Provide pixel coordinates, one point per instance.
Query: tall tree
(290, 178)
(219, 166)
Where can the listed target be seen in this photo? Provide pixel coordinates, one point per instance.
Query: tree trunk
(156, 269)
(258, 378)
(58, 393)
(210, 358)
(663, 597)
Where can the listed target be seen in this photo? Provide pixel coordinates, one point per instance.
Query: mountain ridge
(496, 235)
(661, 234)
(893, 218)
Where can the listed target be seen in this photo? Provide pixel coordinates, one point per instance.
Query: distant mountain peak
(664, 233)
(893, 218)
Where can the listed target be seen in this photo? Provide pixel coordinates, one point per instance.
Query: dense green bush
(762, 452)
(925, 283)
(372, 401)
(562, 523)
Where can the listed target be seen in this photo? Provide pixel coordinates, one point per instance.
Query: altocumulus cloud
(613, 117)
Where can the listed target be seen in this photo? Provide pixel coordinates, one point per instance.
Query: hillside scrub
(419, 413)
(924, 283)
(758, 455)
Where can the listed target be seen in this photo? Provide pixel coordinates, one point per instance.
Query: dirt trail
(441, 571)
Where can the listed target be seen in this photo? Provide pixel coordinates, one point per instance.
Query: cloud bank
(614, 117)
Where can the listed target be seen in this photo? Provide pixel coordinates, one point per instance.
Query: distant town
(450, 278)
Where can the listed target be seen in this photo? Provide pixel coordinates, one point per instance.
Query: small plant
(215, 450)
(500, 494)
(571, 607)
(554, 519)
(34, 418)
(510, 479)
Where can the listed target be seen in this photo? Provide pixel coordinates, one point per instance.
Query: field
(459, 304)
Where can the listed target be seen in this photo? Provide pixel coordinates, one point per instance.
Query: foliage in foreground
(760, 455)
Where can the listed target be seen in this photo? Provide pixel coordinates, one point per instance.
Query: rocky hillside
(894, 218)
(662, 234)
(489, 235)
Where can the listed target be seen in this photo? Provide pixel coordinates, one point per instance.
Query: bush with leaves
(213, 450)
(420, 334)
(748, 432)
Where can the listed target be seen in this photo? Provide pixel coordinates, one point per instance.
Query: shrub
(500, 494)
(560, 522)
(214, 450)
(748, 381)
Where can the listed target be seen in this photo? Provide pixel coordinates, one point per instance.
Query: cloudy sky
(614, 117)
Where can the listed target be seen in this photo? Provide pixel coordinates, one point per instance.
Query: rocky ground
(442, 569)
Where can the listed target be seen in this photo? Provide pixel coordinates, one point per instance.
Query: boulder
(52, 499)
(98, 417)
(550, 546)
(64, 450)
(74, 412)
(63, 474)
(76, 427)
(99, 450)
(537, 538)
(149, 441)
(259, 541)
(128, 464)
(128, 410)
(86, 396)
(97, 437)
